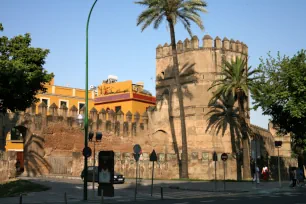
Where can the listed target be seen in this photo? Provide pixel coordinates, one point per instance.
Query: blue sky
(119, 48)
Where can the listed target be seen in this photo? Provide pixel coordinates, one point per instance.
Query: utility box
(106, 173)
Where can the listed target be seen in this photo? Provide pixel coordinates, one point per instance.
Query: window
(117, 108)
(16, 134)
(46, 101)
(63, 103)
(81, 105)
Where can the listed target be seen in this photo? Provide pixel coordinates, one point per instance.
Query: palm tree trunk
(245, 138)
(181, 102)
(235, 149)
(172, 128)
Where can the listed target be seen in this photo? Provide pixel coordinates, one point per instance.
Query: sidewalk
(211, 186)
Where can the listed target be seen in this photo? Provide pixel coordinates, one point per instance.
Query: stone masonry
(7, 165)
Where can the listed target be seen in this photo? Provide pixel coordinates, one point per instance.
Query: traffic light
(99, 136)
(90, 136)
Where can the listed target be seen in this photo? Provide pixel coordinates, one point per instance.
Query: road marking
(207, 201)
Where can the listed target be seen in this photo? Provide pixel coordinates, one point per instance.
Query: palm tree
(224, 114)
(236, 80)
(185, 11)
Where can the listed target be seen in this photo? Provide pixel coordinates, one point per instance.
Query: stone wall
(7, 165)
(201, 166)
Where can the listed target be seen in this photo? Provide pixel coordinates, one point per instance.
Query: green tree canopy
(22, 75)
(281, 92)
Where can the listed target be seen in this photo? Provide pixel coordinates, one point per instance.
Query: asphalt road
(124, 193)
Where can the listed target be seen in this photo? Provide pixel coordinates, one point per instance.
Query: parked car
(118, 178)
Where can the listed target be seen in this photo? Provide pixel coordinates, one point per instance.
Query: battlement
(126, 124)
(208, 43)
(257, 128)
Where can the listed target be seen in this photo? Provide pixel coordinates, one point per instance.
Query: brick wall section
(7, 165)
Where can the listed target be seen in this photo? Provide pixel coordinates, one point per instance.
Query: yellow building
(124, 96)
(67, 96)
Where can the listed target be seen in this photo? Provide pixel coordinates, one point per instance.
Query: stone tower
(198, 65)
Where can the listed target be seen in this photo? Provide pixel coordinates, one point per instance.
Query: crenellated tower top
(207, 43)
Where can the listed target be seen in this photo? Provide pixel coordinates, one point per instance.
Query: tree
(22, 75)
(224, 114)
(236, 80)
(281, 93)
(185, 11)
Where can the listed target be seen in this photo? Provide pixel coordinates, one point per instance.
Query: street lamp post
(86, 105)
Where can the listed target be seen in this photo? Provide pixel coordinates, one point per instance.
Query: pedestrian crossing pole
(136, 179)
(215, 158)
(278, 144)
(152, 179)
(279, 172)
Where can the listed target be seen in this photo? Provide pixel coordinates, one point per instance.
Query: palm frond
(185, 11)
(158, 21)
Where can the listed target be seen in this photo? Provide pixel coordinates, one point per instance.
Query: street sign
(278, 143)
(136, 157)
(87, 152)
(224, 156)
(153, 156)
(137, 149)
(215, 157)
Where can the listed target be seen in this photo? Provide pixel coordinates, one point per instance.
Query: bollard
(102, 196)
(65, 198)
(20, 199)
(161, 193)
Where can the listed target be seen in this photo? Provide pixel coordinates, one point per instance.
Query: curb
(205, 190)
